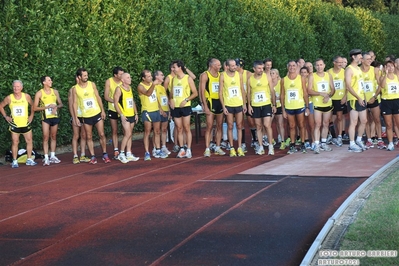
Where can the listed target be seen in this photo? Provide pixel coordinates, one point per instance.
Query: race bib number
(215, 87)
(49, 111)
(338, 85)
(392, 88)
(178, 91)
(129, 102)
(260, 97)
(322, 86)
(361, 85)
(88, 103)
(368, 87)
(233, 92)
(153, 97)
(164, 100)
(18, 111)
(293, 95)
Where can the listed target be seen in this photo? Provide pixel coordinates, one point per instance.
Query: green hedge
(57, 37)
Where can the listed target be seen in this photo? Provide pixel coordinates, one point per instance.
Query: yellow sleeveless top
(181, 91)
(391, 89)
(339, 84)
(112, 87)
(232, 95)
(244, 81)
(162, 97)
(212, 86)
(87, 100)
(125, 103)
(321, 84)
(149, 103)
(357, 83)
(19, 110)
(260, 91)
(170, 82)
(46, 100)
(293, 93)
(277, 91)
(370, 83)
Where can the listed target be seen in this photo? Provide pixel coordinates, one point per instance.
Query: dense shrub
(57, 37)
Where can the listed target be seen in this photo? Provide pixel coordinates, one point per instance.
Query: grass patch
(377, 224)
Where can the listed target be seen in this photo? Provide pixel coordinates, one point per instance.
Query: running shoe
(265, 141)
(271, 150)
(84, 159)
(54, 159)
(176, 148)
(116, 155)
(93, 160)
(132, 158)
(325, 147)
(240, 152)
(30, 162)
(165, 150)
(316, 149)
(390, 147)
(147, 156)
(303, 148)
(292, 150)
(161, 154)
(287, 142)
(207, 152)
(307, 145)
(260, 150)
(14, 164)
(354, 148)
(46, 161)
(244, 147)
(212, 146)
(381, 145)
(106, 158)
(283, 145)
(369, 144)
(219, 151)
(75, 160)
(361, 145)
(233, 152)
(122, 158)
(329, 139)
(154, 153)
(188, 153)
(182, 153)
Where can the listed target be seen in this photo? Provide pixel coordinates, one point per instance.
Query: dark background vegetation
(55, 38)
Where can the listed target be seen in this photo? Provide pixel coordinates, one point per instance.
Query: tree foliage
(57, 37)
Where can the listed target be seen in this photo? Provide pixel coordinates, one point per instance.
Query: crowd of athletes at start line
(312, 103)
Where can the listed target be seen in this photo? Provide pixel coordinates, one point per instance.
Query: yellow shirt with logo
(181, 90)
(162, 97)
(212, 86)
(112, 87)
(321, 84)
(370, 83)
(339, 83)
(357, 83)
(149, 103)
(126, 103)
(260, 91)
(232, 95)
(293, 92)
(19, 110)
(46, 100)
(87, 100)
(391, 89)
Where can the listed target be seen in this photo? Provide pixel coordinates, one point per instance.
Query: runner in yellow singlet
(48, 101)
(20, 121)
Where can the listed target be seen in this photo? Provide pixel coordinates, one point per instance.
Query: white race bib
(49, 111)
(338, 85)
(164, 100)
(153, 97)
(178, 91)
(322, 86)
(260, 97)
(129, 102)
(392, 88)
(18, 111)
(88, 103)
(233, 92)
(215, 87)
(293, 94)
(368, 86)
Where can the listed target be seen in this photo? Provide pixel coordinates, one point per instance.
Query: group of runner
(314, 103)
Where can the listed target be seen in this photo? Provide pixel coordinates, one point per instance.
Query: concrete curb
(317, 244)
